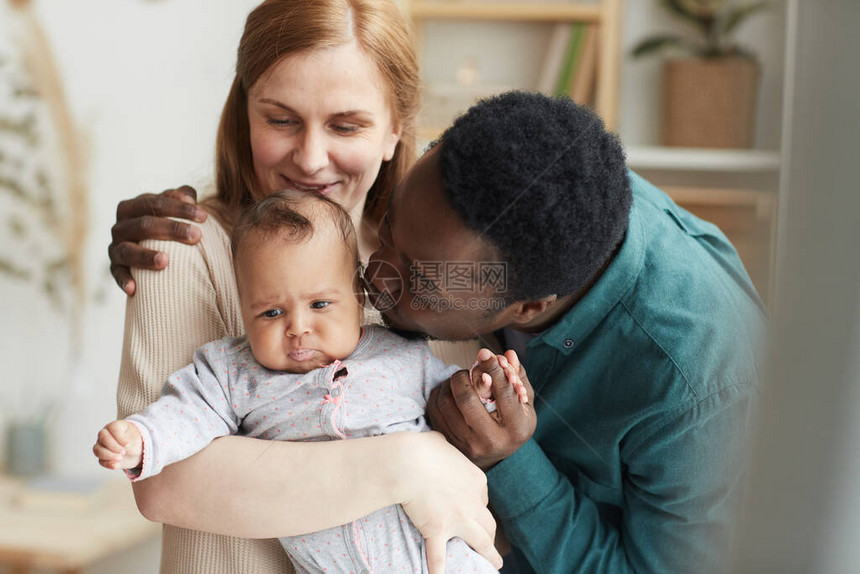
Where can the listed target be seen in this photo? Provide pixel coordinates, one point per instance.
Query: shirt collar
(578, 323)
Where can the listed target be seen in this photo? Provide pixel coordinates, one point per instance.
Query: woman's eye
(272, 313)
(280, 122)
(345, 128)
(320, 304)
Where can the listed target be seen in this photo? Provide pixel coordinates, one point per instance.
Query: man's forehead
(422, 179)
(423, 222)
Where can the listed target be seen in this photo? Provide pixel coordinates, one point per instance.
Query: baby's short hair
(290, 215)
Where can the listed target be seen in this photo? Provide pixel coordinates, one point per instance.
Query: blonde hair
(279, 28)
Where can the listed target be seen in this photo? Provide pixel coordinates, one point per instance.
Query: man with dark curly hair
(636, 322)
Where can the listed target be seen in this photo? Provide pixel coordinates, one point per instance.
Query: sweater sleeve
(175, 311)
(680, 491)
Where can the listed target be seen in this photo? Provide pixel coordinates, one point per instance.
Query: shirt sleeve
(680, 490)
(173, 312)
(194, 408)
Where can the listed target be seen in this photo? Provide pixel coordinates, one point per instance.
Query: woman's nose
(311, 152)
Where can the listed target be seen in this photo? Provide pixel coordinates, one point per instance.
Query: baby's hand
(119, 446)
(483, 384)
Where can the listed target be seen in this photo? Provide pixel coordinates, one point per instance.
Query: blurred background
(101, 101)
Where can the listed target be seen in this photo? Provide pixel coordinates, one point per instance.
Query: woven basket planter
(710, 102)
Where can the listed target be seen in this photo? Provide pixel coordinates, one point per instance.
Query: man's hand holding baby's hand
(456, 409)
(483, 382)
(119, 446)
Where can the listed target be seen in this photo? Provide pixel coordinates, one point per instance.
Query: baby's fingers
(120, 431)
(111, 440)
(107, 458)
(514, 379)
(514, 360)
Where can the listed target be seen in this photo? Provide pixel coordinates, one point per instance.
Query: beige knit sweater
(175, 311)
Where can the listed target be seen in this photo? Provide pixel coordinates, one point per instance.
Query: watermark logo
(388, 276)
(443, 285)
(458, 276)
(437, 285)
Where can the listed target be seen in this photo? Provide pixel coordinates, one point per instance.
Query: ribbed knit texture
(174, 312)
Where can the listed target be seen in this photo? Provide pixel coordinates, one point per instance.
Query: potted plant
(709, 96)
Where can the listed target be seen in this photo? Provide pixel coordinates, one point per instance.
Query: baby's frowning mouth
(302, 354)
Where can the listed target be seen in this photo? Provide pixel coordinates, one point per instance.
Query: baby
(305, 370)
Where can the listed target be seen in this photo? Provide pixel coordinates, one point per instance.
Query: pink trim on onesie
(336, 401)
(360, 549)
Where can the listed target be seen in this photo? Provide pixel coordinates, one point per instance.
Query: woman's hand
(145, 217)
(445, 496)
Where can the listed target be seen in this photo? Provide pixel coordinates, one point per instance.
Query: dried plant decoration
(42, 171)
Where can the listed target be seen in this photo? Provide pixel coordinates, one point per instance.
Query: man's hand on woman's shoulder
(147, 217)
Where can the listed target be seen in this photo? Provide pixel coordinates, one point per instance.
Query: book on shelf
(571, 60)
(582, 87)
(554, 60)
(570, 65)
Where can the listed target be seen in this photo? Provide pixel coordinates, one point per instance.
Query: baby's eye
(271, 313)
(320, 304)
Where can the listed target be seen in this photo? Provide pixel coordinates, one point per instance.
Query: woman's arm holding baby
(319, 485)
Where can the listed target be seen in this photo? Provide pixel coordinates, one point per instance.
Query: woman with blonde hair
(324, 100)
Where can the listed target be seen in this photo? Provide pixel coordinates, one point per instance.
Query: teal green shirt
(644, 395)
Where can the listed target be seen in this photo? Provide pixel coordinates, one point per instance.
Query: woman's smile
(322, 188)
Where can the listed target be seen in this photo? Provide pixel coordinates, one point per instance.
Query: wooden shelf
(604, 14)
(519, 11)
(698, 159)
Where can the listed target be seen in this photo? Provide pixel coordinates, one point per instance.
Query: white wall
(763, 34)
(145, 81)
(803, 508)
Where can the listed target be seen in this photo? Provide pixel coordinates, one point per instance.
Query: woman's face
(320, 121)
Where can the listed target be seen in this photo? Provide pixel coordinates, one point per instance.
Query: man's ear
(524, 311)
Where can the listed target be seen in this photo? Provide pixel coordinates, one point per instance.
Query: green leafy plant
(713, 22)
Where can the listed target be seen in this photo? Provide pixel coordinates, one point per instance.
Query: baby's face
(298, 300)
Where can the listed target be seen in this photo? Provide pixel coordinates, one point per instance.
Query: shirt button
(568, 343)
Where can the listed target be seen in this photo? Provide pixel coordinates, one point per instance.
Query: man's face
(431, 274)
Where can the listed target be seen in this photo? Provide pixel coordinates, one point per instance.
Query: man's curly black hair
(543, 182)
